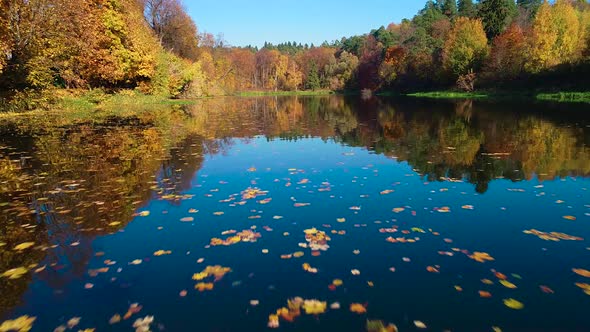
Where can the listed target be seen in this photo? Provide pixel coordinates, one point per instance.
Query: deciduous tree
(466, 46)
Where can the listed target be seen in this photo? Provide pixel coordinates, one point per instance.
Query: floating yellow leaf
(273, 321)
(358, 308)
(337, 282)
(162, 252)
(481, 257)
(203, 286)
(115, 223)
(21, 324)
(187, 219)
(144, 213)
(507, 284)
(513, 304)
(419, 324)
(314, 307)
(24, 245)
(582, 272)
(569, 217)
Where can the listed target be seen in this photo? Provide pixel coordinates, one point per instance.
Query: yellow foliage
(465, 47)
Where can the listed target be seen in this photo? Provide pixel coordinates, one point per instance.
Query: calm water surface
(212, 217)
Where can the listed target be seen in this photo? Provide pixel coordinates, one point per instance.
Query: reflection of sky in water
(355, 177)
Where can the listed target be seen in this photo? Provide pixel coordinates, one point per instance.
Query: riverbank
(562, 97)
(286, 93)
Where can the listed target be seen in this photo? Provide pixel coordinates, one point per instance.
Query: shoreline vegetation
(87, 104)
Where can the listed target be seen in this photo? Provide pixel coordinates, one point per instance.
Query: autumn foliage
(154, 46)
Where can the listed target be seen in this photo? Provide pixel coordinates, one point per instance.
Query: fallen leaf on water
(481, 257)
(73, 322)
(61, 328)
(21, 324)
(355, 272)
(24, 245)
(133, 309)
(569, 217)
(585, 287)
(358, 308)
(335, 306)
(88, 286)
(203, 286)
(432, 269)
(379, 326)
(144, 213)
(314, 307)
(115, 223)
(419, 324)
(135, 262)
(340, 219)
(115, 319)
(88, 330)
(187, 219)
(484, 294)
(546, 289)
(507, 284)
(582, 272)
(513, 304)
(162, 252)
(273, 321)
(143, 324)
(337, 282)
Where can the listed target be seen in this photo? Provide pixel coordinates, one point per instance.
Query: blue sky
(306, 21)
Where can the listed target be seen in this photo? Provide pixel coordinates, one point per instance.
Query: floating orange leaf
(358, 308)
(481, 257)
(582, 272)
(204, 286)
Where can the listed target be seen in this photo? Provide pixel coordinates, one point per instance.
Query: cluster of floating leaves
(252, 193)
(246, 235)
(216, 272)
(316, 240)
(552, 236)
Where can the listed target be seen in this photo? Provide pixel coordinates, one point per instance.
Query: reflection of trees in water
(84, 179)
(460, 140)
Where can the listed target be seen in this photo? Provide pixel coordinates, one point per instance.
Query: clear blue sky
(244, 22)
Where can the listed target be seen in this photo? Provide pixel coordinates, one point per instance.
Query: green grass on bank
(565, 97)
(449, 95)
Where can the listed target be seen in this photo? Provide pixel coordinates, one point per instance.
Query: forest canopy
(154, 46)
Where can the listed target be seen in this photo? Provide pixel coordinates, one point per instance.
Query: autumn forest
(154, 46)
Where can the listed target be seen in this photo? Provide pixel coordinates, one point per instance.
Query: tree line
(154, 46)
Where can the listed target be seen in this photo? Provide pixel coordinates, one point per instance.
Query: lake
(323, 213)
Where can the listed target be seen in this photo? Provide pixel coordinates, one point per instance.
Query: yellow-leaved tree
(556, 38)
(466, 46)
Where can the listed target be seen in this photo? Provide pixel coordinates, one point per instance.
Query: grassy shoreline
(96, 104)
(561, 97)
